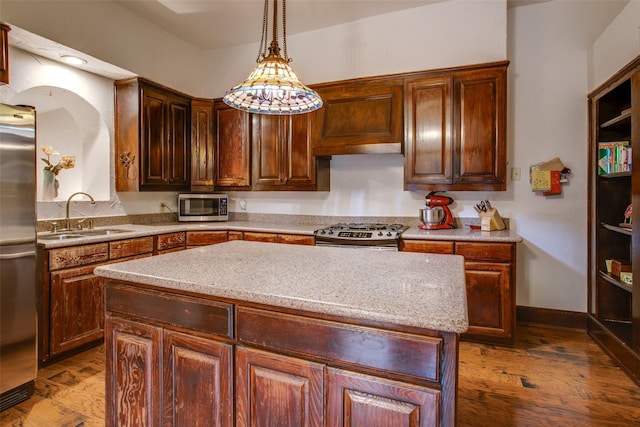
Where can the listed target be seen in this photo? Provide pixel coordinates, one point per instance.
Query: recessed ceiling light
(73, 60)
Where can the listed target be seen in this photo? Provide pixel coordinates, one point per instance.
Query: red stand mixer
(436, 215)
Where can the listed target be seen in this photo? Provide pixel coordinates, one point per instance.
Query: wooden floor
(549, 378)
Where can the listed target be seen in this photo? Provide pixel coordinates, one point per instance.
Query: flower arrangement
(66, 162)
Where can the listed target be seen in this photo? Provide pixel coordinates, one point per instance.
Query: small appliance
(361, 235)
(436, 215)
(202, 207)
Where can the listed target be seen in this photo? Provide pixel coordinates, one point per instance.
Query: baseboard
(550, 317)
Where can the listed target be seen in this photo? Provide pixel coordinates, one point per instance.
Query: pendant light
(273, 87)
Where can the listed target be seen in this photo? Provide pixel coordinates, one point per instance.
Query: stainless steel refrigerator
(18, 315)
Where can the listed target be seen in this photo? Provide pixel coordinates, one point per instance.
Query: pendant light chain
(262, 52)
(284, 30)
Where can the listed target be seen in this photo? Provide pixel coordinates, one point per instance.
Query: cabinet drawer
(497, 252)
(235, 235)
(171, 309)
(296, 239)
(260, 237)
(401, 353)
(202, 238)
(130, 247)
(171, 240)
(78, 255)
(427, 246)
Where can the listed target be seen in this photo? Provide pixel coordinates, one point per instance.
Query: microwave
(202, 207)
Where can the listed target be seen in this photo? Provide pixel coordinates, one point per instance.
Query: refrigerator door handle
(17, 255)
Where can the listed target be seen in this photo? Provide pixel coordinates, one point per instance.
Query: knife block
(491, 220)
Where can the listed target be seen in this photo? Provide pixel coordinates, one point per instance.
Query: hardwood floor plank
(550, 377)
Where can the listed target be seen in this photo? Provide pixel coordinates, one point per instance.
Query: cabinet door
(491, 303)
(480, 129)
(4, 53)
(198, 381)
(362, 400)
(428, 127)
(275, 390)
(133, 374)
(177, 157)
(269, 134)
(202, 145)
(153, 136)
(77, 308)
(203, 238)
(359, 117)
(233, 143)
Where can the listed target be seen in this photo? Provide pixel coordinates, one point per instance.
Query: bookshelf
(613, 317)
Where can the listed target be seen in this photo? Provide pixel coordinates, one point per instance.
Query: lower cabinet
(490, 273)
(77, 314)
(233, 364)
(276, 390)
(362, 400)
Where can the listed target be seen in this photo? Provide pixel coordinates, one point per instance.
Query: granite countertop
(421, 290)
(135, 230)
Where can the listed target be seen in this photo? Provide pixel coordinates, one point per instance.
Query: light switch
(515, 174)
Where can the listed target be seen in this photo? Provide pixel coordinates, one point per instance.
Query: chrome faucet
(67, 220)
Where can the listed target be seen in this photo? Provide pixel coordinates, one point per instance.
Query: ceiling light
(273, 87)
(73, 60)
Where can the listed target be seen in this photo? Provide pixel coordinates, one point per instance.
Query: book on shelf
(614, 157)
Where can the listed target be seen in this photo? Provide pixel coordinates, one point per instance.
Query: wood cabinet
(152, 137)
(203, 238)
(71, 305)
(4, 53)
(202, 145)
(455, 129)
(490, 273)
(282, 157)
(362, 116)
(172, 356)
(613, 317)
(263, 379)
(170, 242)
(233, 148)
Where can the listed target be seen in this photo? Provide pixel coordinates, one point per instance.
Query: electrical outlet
(515, 174)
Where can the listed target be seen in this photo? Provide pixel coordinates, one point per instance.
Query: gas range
(361, 235)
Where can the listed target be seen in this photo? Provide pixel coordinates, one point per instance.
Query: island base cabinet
(198, 389)
(361, 400)
(133, 376)
(276, 390)
(158, 377)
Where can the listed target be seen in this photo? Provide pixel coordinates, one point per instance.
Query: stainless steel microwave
(202, 207)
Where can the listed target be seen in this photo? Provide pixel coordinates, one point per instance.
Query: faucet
(67, 220)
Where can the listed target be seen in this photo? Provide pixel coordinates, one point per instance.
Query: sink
(76, 234)
(59, 236)
(100, 232)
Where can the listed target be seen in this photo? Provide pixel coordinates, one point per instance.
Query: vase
(50, 186)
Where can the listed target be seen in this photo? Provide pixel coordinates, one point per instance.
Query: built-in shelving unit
(614, 304)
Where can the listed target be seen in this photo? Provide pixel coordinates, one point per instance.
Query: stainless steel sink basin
(59, 236)
(100, 231)
(76, 234)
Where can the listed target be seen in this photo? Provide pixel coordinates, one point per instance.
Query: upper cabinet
(202, 145)
(4, 53)
(361, 116)
(455, 129)
(266, 152)
(153, 137)
(282, 157)
(233, 148)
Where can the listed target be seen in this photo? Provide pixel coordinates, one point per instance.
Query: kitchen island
(250, 333)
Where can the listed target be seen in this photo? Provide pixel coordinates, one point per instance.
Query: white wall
(618, 45)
